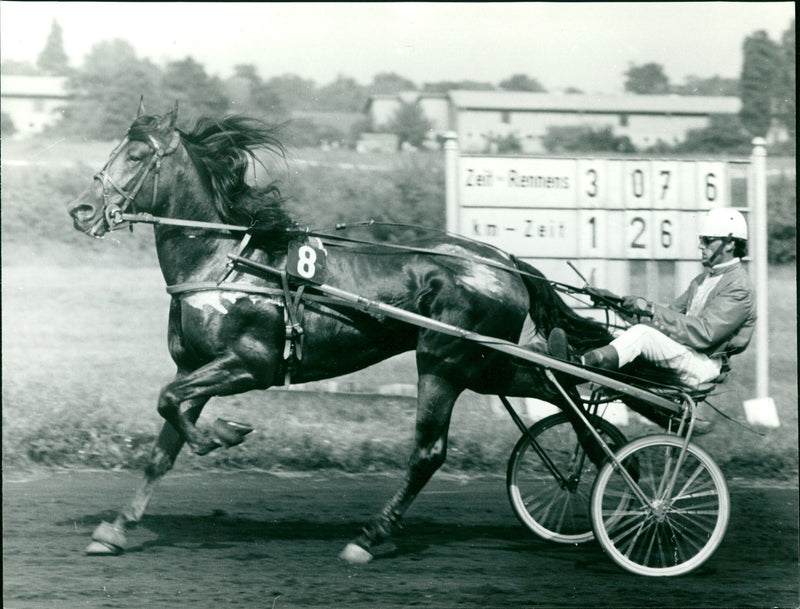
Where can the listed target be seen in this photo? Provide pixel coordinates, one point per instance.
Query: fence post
(761, 409)
(451, 180)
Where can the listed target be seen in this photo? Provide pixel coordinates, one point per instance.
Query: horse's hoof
(205, 447)
(107, 535)
(355, 554)
(230, 433)
(98, 548)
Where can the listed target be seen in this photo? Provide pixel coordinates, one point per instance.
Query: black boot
(558, 346)
(606, 358)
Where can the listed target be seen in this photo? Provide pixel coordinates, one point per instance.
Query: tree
(760, 73)
(53, 59)
(254, 94)
(342, 95)
(724, 134)
(715, 85)
(295, 93)
(7, 127)
(198, 94)
(443, 86)
(389, 82)
(522, 82)
(647, 79)
(503, 144)
(787, 82)
(21, 68)
(585, 139)
(410, 124)
(106, 91)
(573, 91)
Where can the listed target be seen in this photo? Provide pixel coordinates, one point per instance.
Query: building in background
(32, 102)
(381, 108)
(480, 117)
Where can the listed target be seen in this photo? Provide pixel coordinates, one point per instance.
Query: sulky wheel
(556, 507)
(674, 518)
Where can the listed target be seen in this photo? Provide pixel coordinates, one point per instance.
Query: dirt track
(248, 539)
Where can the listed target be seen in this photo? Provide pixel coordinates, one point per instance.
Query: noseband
(112, 212)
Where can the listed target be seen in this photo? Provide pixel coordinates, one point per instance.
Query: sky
(588, 45)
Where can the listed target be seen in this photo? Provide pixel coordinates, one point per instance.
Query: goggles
(706, 241)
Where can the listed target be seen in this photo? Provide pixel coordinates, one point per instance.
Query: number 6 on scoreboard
(712, 181)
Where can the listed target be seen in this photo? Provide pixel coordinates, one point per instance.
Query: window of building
(505, 116)
(623, 120)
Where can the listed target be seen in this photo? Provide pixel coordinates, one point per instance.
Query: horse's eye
(135, 157)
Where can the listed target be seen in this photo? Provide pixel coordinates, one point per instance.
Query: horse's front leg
(112, 538)
(436, 397)
(227, 375)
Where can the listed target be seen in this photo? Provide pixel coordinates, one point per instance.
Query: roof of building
(657, 104)
(13, 85)
(408, 97)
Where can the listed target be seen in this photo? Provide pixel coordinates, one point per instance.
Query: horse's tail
(548, 311)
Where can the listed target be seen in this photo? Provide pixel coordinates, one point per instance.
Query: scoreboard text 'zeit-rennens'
(629, 224)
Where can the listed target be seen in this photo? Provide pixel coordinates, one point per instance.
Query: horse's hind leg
(112, 538)
(434, 407)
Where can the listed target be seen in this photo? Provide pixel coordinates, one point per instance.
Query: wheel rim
(552, 510)
(686, 513)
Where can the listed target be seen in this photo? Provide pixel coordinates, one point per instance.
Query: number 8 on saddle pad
(306, 260)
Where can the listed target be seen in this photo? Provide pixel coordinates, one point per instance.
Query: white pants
(694, 368)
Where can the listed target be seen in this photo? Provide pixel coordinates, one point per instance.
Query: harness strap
(239, 251)
(292, 316)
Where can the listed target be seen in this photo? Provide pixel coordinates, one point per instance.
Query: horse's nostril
(82, 211)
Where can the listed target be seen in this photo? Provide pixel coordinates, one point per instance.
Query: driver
(713, 319)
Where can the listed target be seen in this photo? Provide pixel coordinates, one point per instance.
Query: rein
(332, 240)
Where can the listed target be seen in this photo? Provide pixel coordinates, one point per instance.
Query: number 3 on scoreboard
(306, 261)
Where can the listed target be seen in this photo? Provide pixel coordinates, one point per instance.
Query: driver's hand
(637, 305)
(629, 302)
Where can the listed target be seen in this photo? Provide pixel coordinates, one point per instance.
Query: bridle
(112, 212)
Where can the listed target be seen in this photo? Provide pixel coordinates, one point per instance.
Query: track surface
(250, 539)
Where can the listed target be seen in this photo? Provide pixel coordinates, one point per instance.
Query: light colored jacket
(726, 321)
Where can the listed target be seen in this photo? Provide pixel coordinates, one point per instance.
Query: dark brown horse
(228, 341)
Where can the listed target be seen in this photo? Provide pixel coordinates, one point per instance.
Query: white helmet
(723, 222)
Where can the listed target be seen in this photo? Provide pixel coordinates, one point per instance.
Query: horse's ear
(140, 110)
(174, 115)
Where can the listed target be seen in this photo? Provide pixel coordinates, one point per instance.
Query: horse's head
(129, 179)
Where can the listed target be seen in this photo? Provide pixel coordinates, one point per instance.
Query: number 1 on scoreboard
(592, 237)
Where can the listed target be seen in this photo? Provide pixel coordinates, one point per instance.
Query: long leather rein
(327, 239)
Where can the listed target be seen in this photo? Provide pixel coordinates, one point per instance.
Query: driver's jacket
(723, 324)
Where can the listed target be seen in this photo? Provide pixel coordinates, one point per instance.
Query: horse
(231, 340)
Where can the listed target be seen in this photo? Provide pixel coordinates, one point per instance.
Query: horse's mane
(223, 149)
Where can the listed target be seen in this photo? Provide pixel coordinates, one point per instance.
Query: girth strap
(293, 318)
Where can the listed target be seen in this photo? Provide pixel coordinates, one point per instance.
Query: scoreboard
(630, 225)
